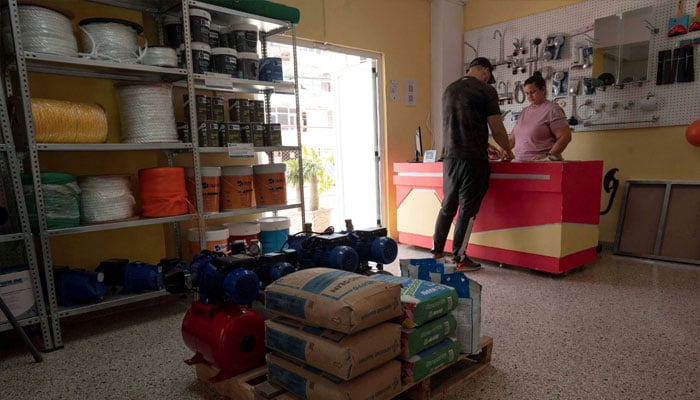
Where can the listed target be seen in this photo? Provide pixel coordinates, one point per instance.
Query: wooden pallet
(239, 387)
(432, 386)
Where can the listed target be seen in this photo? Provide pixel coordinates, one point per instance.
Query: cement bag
(468, 311)
(420, 338)
(421, 300)
(380, 383)
(339, 300)
(430, 360)
(344, 356)
(427, 269)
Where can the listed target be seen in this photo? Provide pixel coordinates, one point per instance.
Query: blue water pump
(219, 277)
(373, 246)
(133, 277)
(78, 286)
(272, 266)
(330, 250)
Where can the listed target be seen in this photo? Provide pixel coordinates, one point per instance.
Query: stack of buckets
(232, 187)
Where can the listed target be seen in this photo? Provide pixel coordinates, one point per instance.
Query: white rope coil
(45, 31)
(111, 41)
(147, 114)
(105, 198)
(160, 57)
(58, 121)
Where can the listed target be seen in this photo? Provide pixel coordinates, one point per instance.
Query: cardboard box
(421, 300)
(339, 300)
(16, 291)
(422, 337)
(345, 356)
(430, 360)
(312, 384)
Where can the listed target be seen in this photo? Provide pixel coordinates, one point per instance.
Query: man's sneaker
(464, 264)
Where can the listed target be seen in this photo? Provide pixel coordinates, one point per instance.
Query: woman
(541, 132)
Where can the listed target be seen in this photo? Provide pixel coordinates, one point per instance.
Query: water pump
(330, 250)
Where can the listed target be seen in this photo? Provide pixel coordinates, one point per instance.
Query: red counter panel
(542, 216)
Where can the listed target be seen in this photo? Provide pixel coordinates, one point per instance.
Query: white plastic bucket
(273, 233)
(216, 239)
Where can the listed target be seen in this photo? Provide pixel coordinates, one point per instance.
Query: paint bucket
(217, 109)
(274, 135)
(271, 69)
(246, 36)
(236, 187)
(258, 131)
(173, 31)
(200, 21)
(216, 239)
(247, 65)
(224, 60)
(211, 185)
(239, 110)
(201, 57)
(245, 231)
(273, 233)
(256, 108)
(270, 184)
(214, 35)
(233, 133)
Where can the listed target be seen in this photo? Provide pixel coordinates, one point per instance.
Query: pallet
(239, 387)
(432, 386)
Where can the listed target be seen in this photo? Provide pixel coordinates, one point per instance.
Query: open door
(357, 150)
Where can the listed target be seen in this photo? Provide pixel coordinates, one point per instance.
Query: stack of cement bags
(428, 341)
(331, 338)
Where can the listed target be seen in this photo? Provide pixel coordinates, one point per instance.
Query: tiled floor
(620, 328)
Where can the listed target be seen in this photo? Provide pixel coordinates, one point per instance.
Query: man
(470, 108)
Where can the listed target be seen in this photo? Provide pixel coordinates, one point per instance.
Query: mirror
(606, 46)
(621, 48)
(634, 46)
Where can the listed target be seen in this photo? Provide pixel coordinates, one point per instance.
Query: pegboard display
(610, 107)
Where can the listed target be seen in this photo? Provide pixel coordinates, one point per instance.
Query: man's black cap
(484, 62)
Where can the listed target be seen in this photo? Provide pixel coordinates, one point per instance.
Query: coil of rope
(111, 39)
(160, 56)
(44, 30)
(147, 113)
(58, 121)
(105, 198)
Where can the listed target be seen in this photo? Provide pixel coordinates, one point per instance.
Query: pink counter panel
(542, 216)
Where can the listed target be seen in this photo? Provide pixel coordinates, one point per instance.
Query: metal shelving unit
(13, 197)
(25, 62)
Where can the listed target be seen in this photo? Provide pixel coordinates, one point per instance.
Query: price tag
(240, 150)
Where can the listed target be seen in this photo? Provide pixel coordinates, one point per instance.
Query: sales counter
(538, 215)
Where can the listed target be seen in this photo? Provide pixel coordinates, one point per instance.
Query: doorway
(340, 123)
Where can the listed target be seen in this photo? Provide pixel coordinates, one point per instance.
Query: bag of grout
(422, 300)
(339, 300)
(468, 311)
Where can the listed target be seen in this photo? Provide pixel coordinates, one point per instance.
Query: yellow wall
(650, 153)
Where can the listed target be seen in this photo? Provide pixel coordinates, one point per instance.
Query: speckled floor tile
(619, 328)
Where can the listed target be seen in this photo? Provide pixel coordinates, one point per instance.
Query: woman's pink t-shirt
(533, 130)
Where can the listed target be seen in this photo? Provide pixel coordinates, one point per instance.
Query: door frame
(380, 139)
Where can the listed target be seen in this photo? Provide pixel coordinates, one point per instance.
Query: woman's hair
(537, 80)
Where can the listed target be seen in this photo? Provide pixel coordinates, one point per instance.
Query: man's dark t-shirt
(466, 104)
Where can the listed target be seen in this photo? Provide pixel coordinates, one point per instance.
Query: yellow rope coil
(58, 121)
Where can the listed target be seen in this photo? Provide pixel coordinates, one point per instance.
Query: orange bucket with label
(270, 184)
(236, 187)
(211, 185)
(216, 239)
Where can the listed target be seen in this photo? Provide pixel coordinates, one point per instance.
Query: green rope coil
(61, 199)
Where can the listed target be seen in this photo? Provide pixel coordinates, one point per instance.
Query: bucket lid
(244, 27)
(237, 170)
(243, 228)
(196, 12)
(248, 55)
(201, 46)
(269, 168)
(274, 223)
(214, 27)
(224, 50)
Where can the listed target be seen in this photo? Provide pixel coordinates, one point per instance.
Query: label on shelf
(217, 80)
(240, 150)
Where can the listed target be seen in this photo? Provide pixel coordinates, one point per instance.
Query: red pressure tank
(228, 336)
